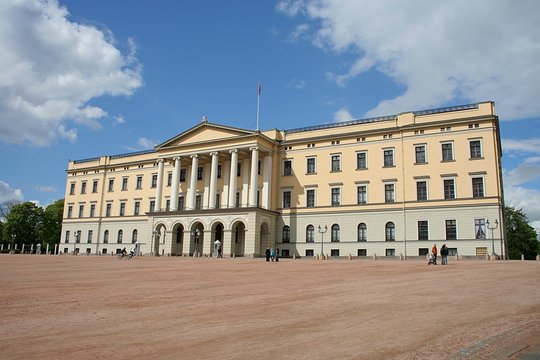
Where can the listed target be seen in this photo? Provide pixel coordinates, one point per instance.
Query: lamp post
(196, 235)
(492, 228)
(322, 232)
(77, 240)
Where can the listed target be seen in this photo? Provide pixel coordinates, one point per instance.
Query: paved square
(78, 307)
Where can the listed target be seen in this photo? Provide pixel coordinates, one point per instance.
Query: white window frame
(393, 156)
(451, 143)
(365, 158)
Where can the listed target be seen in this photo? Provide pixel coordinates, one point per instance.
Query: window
(287, 167)
(134, 236)
(70, 211)
(237, 200)
(168, 205)
(111, 185)
(124, 184)
(336, 196)
(154, 181)
(334, 252)
(81, 211)
(476, 149)
(169, 179)
(452, 251)
(480, 229)
(200, 173)
(92, 210)
(451, 233)
(309, 252)
(122, 208)
(218, 200)
(238, 169)
(219, 171)
(120, 236)
(449, 190)
(423, 230)
(390, 252)
(477, 187)
(481, 251)
(139, 182)
(83, 188)
(361, 194)
(335, 233)
(390, 233)
(336, 162)
(286, 235)
(310, 197)
(198, 202)
(310, 233)
(137, 208)
(72, 189)
(362, 252)
(420, 154)
(361, 160)
(311, 165)
(181, 203)
(182, 175)
(94, 186)
(447, 152)
(90, 234)
(421, 190)
(388, 157)
(389, 193)
(286, 199)
(106, 237)
(362, 232)
(152, 205)
(423, 251)
(67, 237)
(108, 209)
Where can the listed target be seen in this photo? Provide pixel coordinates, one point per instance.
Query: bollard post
(350, 256)
(294, 256)
(522, 257)
(537, 257)
(374, 256)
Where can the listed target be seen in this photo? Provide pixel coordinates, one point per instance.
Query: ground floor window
(285, 253)
(362, 252)
(452, 251)
(481, 251)
(390, 252)
(104, 251)
(309, 252)
(423, 251)
(334, 252)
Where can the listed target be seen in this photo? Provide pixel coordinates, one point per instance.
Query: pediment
(203, 133)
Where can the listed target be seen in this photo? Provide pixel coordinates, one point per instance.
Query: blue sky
(87, 78)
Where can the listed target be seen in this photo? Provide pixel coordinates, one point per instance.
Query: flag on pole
(259, 89)
(258, 97)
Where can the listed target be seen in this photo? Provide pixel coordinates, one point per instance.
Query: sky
(81, 79)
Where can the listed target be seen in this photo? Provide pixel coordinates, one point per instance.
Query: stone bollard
(522, 257)
(350, 256)
(317, 257)
(537, 257)
(401, 257)
(294, 256)
(374, 256)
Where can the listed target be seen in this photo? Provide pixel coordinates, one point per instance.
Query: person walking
(434, 253)
(272, 254)
(267, 254)
(444, 255)
(277, 254)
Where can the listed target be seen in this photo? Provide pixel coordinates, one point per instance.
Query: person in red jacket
(434, 253)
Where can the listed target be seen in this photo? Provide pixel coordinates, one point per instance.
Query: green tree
(52, 223)
(521, 237)
(23, 224)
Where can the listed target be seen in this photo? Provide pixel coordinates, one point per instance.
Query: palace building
(385, 186)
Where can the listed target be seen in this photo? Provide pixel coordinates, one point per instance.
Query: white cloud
(145, 143)
(7, 193)
(526, 199)
(299, 33)
(440, 51)
(45, 189)
(51, 68)
(343, 114)
(119, 119)
(297, 84)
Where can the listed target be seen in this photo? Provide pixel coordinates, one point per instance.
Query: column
(245, 186)
(213, 181)
(267, 182)
(225, 191)
(206, 192)
(192, 191)
(226, 247)
(232, 178)
(159, 185)
(254, 177)
(175, 181)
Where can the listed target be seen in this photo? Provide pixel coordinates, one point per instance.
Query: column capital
(194, 156)
(254, 148)
(177, 158)
(214, 153)
(233, 151)
(160, 161)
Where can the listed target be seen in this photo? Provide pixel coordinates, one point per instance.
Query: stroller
(432, 260)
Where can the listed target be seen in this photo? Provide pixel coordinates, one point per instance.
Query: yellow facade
(385, 186)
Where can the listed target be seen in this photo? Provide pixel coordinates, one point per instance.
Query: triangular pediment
(205, 132)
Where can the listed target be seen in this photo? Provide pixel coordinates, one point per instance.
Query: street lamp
(196, 235)
(77, 240)
(322, 231)
(492, 228)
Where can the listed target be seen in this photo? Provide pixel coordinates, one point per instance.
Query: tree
(52, 223)
(5, 208)
(521, 237)
(23, 224)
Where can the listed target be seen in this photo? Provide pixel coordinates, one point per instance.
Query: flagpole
(258, 101)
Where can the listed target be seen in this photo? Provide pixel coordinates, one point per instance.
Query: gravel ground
(78, 307)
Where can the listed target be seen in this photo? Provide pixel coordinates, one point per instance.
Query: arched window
(335, 233)
(390, 231)
(362, 232)
(106, 237)
(310, 233)
(286, 234)
(218, 233)
(120, 236)
(134, 236)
